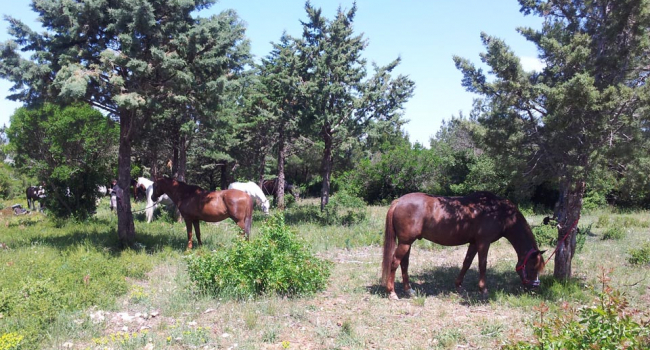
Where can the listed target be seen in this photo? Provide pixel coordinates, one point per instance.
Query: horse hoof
(393, 296)
(460, 290)
(410, 292)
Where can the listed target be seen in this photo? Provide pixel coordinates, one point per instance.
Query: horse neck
(173, 189)
(521, 236)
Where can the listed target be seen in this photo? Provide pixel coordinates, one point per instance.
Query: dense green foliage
(275, 262)
(12, 183)
(70, 149)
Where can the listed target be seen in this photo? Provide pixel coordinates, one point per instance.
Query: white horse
(254, 191)
(151, 205)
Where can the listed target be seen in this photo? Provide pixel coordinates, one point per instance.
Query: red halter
(523, 265)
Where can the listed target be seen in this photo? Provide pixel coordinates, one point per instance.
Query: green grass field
(67, 286)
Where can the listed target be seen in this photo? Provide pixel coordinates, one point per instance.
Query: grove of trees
(180, 95)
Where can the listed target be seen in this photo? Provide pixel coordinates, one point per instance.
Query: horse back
(479, 217)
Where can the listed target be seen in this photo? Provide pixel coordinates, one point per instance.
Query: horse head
(157, 190)
(530, 266)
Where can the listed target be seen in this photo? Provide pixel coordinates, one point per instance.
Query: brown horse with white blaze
(478, 219)
(196, 204)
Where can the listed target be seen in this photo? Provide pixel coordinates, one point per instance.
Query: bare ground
(353, 313)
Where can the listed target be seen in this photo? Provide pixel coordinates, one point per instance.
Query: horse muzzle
(531, 284)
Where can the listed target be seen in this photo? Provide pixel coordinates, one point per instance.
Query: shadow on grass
(500, 284)
(102, 234)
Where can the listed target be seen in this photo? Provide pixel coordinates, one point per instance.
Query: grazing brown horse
(196, 204)
(478, 219)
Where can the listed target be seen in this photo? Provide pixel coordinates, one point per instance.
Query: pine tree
(129, 58)
(581, 110)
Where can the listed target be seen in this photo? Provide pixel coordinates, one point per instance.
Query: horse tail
(248, 221)
(389, 243)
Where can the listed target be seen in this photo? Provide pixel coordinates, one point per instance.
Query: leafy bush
(603, 221)
(640, 256)
(344, 209)
(614, 233)
(276, 261)
(607, 324)
(547, 235)
(71, 164)
(392, 174)
(11, 183)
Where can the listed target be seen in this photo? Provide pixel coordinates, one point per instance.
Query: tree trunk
(175, 145)
(326, 168)
(181, 168)
(280, 181)
(125, 226)
(262, 168)
(571, 194)
(224, 175)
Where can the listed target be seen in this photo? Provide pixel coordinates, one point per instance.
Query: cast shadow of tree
(106, 238)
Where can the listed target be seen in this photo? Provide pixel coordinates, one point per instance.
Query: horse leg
(242, 224)
(404, 265)
(401, 250)
(188, 224)
(482, 267)
(197, 228)
(469, 257)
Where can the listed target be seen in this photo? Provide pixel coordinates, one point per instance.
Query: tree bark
(181, 169)
(571, 195)
(125, 226)
(262, 168)
(225, 175)
(281, 155)
(326, 167)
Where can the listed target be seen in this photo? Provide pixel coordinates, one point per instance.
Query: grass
(101, 297)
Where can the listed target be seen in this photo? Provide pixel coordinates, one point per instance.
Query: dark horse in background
(478, 219)
(270, 188)
(33, 194)
(196, 204)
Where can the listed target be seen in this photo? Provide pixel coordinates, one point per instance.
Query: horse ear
(542, 251)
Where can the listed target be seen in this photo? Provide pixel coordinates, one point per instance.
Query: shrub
(614, 233)
(608, 324)
(640, 256)
(276, 262)
(603, 221)
(545, 234)
(344, 209)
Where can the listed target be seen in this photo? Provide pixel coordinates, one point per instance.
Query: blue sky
(424, 33)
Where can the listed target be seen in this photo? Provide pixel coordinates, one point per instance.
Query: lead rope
(562, 240)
